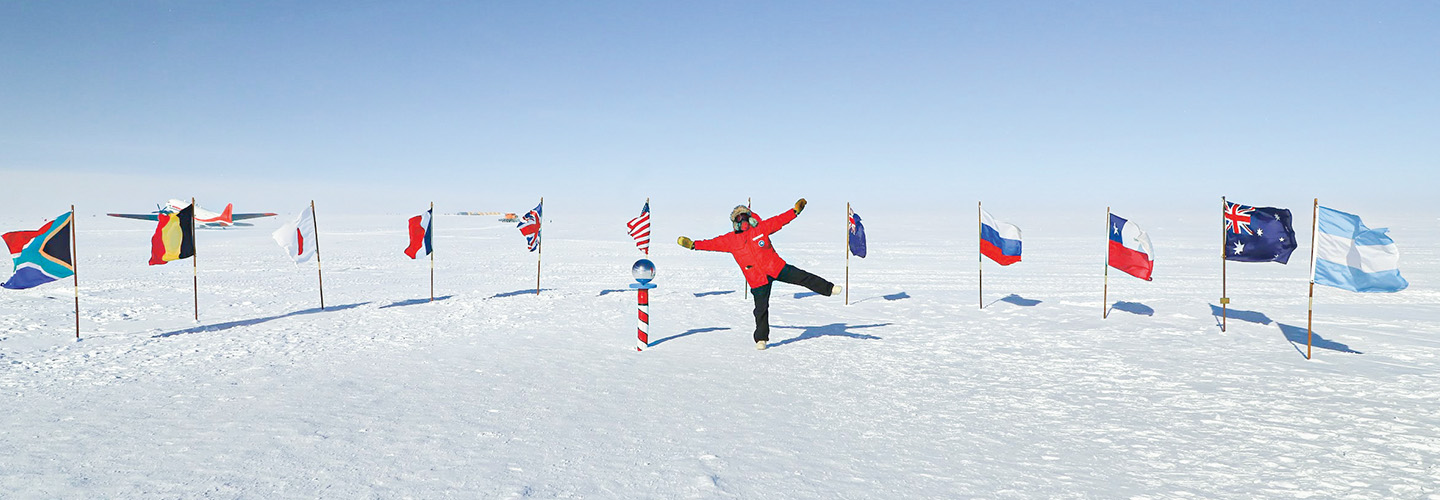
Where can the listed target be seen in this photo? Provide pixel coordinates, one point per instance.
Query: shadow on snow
(602, 292)
(893, 296)
(689, 333)
(256, 321)
(717, 292)
(830, 330)
(412, 302)
(527, 291)
(1296, 336)
(1238, 315)
(1017, 300)
(900, 295)
(1133, 308)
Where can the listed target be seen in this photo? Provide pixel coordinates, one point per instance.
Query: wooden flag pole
(745, 289)
(847, 253)
(1105, 312)
(75, 271)
(1310, 316)
(194, 261)
(1224, 297)
(319, 270)
(432, 252)
(980, 257)
(540, 244)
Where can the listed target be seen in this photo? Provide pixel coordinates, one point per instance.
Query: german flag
(174, 237)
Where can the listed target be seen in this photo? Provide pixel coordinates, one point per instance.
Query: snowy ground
(911, 391)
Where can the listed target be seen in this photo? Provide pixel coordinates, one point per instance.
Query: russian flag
(999, 241)
(1130, 249)
(419, 234)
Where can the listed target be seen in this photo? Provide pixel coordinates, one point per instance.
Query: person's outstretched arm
(716, 244)
(774, 224)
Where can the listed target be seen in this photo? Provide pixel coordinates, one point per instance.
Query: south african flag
(42, 255)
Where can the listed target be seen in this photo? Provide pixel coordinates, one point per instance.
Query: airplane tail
(225, 216)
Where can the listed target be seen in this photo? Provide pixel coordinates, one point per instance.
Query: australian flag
(1258, 234)
(857, 234)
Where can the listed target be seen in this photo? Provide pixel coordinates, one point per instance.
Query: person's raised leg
(796, 276)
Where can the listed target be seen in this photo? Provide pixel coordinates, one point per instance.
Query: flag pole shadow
(688, 333)
(1297, 337)
(1017, 300)
(1133, 308)
(891, 297)
(412, 302)
(716, 292)
(1258, 318)
(527, 291)
(256, 321)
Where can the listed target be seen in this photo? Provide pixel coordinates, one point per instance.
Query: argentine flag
(1351, 256)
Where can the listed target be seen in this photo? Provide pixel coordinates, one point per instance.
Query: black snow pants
(789, 274)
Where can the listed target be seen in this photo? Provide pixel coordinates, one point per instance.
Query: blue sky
(1046, 104)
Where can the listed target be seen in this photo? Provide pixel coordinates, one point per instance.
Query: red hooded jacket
(752, 249)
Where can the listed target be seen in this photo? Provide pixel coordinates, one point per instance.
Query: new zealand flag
(1258, 234)
(857, 234)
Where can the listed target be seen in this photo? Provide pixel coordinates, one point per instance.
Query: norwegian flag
(530, 227)
(640, 229)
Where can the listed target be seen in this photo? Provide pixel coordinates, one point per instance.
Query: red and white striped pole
(642, 331)
(644, 271)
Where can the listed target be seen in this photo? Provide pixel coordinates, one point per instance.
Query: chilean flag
(998, 240)
(1130, 249)
(419, 234)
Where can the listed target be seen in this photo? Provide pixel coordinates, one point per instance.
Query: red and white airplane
(203, 217)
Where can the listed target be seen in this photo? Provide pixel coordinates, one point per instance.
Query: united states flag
(530, 227)
(640, 229)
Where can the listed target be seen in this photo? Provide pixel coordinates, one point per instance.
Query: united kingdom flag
(1237, 218)
(1258, 234)
(530, 227)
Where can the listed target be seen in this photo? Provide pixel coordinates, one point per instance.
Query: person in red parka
(750, 245)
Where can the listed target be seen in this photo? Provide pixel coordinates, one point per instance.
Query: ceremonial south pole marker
(644, 271)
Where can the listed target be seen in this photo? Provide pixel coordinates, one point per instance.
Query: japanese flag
(298, 237)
